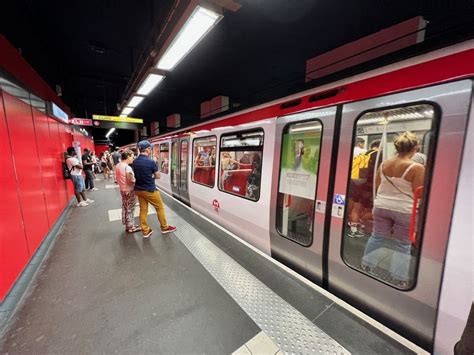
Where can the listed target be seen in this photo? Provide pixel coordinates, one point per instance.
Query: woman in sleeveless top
(397, 179)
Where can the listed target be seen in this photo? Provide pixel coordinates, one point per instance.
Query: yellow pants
(154, 198)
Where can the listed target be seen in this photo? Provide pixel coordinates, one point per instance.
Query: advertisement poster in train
(299, 164)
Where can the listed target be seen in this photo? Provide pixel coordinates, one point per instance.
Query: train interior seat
(236, 181)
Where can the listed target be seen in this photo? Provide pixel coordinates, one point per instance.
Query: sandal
(134, 229)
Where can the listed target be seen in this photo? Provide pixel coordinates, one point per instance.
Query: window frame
(285, 127)
(168, 145)
(437, 117)
(233, 149)
(193, 157)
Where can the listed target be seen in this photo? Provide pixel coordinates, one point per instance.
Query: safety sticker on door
(338, 206)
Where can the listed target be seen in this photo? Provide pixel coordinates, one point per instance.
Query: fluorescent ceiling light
(123, 115)
(110, 132)
(127, 110)
(149, 84)
(195, 28)
(135, 101)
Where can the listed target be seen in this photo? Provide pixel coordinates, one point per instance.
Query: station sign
(56, 112)
(117, 119)
(118, 125)
(80, 121)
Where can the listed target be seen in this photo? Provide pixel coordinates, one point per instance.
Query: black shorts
(361, 193)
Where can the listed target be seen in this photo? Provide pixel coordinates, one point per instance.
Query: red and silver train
(279, 176)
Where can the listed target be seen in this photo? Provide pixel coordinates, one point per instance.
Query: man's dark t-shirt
(86, 157)
(144, 168)
(116, 157)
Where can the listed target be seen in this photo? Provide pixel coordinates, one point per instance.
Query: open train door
(395, 275)
(302, 159)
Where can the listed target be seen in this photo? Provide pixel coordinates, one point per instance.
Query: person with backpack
(361, 187)
(397, 180)
(75, 169)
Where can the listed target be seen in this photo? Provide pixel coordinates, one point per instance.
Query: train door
(303, 148)
(386, 255)
(183, 169)
(174, 168)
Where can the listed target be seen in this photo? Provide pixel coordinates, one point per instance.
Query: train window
(174, 164)
(164, 158)
(241, 164)
(156, 153)
(204, 161)
(382, 235)
(298, 178)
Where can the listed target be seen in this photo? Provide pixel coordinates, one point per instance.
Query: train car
(280, 176)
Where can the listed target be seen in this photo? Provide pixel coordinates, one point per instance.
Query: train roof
(446, 64)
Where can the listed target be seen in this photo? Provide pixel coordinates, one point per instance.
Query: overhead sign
(81, 121)
(56, 112)
(118, 125)
(117, 119)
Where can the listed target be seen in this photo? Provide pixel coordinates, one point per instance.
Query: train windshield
(391, 162)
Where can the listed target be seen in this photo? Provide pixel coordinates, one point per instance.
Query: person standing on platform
(146, 171)
(75, 169)
(126, 181)
(88, 166)
(115, 160)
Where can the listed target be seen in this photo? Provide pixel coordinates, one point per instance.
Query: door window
(299, 164)
(391, 162)
(164, 158)
(174, 164)
(184, 164)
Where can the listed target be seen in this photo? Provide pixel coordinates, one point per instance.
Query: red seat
(236, 181)
(245, 166)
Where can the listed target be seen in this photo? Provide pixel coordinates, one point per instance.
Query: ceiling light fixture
(196, 27)
(127, 110)
(110, 132)
(149, 84)
(135, 101)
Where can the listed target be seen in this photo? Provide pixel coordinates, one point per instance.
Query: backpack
(360, 165)
(66, 171)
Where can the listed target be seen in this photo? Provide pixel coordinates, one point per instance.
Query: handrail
(416, 196)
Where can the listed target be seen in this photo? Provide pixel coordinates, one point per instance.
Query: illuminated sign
(81, 121)
(117, 119)
(56, 112)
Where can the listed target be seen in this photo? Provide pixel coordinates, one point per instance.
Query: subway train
(280, 176)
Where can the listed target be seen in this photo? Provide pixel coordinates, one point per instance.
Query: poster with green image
(299, 163)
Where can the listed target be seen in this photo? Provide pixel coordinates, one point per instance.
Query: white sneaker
(82, 204)
(89, 200)
(95, 189)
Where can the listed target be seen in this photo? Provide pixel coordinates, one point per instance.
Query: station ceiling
(92, 49)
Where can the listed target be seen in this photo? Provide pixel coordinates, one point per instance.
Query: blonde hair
(405, 142)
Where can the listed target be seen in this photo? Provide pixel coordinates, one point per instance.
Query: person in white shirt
(126, 181)
(75, 169)
(359, 147)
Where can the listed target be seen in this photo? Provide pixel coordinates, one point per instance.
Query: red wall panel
(13, 246)
(47, 166)
(100, 148)
(28, 170)
(56, 148)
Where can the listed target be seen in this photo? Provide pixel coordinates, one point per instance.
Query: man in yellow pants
(146, 171)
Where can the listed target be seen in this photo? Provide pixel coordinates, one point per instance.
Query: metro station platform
(197, 290)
